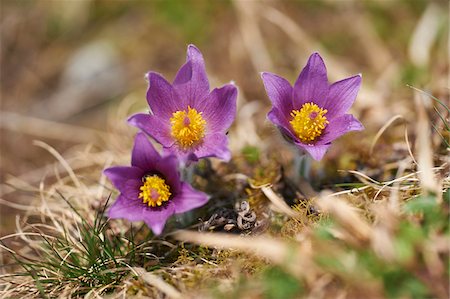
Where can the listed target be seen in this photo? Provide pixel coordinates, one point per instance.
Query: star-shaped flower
(313, 113)
(150, 189)
(186, 118)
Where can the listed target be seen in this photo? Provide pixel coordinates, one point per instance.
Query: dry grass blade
(408, 145)
(301, 38)
(25, 181)
(158, 283)
(279, 203)
(425, 35)
(382, 130)
(251, 34)
(274, 250)
(346, 215)
(378, 54)
(16, 206)
(423, 147)
(61, 160)
(48, 129)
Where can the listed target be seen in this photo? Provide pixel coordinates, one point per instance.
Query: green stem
(302, 166)
(187, 173)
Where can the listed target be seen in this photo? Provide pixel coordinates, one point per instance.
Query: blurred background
(68, 66)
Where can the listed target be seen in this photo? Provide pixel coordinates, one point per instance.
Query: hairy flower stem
(187, 173)
(184, 220)
(302, 166)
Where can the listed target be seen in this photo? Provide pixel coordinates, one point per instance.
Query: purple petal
(219, 109)
(168, 167)
(156, 218)
(182, 155)
(339, 126)
(162, 97)
(214, 145)
(189, 199)
(154, 126)
(312, 83)
(280, 120)
(119, 175)
(131, 189)
(279, 91)
(126, 208)
(316, 151)
(144, 155)
(341, 96)
(191, 81)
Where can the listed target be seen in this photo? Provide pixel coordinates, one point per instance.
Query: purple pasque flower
(313, 113)
(186, 118)
(150, 189)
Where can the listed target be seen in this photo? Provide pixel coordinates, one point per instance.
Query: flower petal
(126, 208)
(144, 155)
(119, 175)
(214, 145)
(312, 83)
(189, 199)
(279, 91)
(156, 218)
(162, 97)
(131, 189)
(191, 81)
(341, 96)
(280, 120)
(316, 151)
(219, 109)
(154, 126)
(339, 126)
(168, 167)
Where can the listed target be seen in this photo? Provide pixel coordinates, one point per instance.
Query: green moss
(251, 154)
(279, 284)
(399, 282)
(189, 17)
(413, 75)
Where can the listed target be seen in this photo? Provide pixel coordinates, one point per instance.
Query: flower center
(309, 122)
(188, 127)
(154, 191)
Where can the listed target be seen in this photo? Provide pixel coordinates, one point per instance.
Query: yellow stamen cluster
(154, 191)
(309, 122)
(188, 127)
